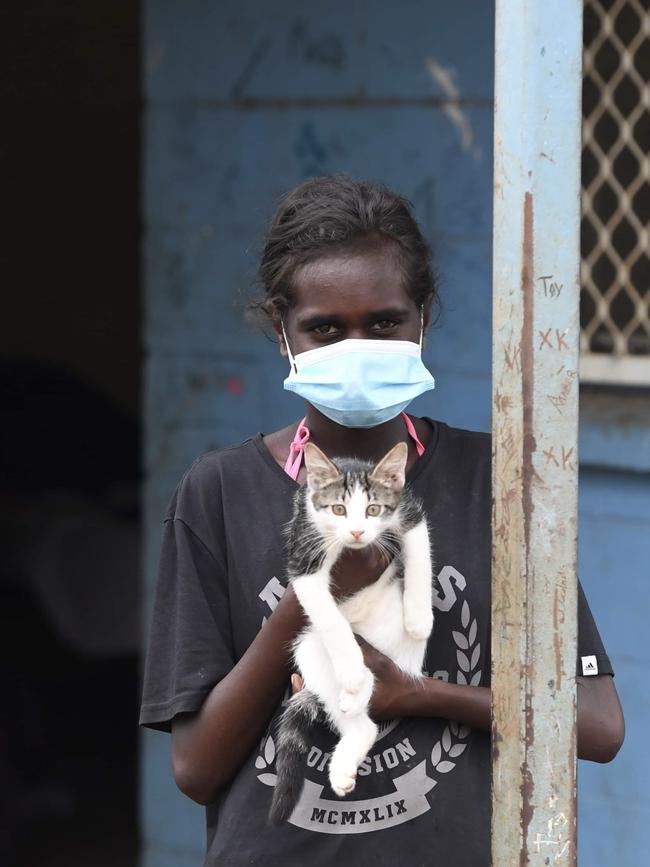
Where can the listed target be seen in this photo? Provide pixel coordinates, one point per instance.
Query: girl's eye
(385, 325)
(373, 510)
(324, 330)
(339, 509)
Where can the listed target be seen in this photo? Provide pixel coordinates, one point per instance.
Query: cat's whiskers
(387, 551)
(383, 553)
(330, 545)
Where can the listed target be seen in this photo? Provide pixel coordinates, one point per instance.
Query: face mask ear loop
(286, 343)
(421, 328)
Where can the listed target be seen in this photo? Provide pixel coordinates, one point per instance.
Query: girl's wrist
(421, 696)
(408, 696)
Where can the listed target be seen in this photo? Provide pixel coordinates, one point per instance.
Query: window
(615, 270)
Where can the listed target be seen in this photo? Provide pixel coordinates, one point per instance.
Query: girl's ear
(426, 318)
(277, 327)
(320, 470)
(391, 469)
(426, 322)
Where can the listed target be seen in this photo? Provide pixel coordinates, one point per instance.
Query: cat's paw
(342, 777)
(354, 696)
(342, 785)
(418, 621)
(351, 703)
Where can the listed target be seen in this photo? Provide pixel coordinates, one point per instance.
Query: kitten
(350, 504)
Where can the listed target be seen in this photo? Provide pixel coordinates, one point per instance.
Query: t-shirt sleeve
(590, 646)
(190, 640)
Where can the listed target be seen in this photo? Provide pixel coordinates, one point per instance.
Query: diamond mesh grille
(615, 270)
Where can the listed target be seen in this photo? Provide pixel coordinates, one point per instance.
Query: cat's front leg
(355, 695)
(354, 679)
(418, 608)
(358, 736)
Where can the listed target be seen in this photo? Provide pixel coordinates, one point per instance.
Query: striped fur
(302, 713)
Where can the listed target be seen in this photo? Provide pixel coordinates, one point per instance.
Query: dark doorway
(70, 362)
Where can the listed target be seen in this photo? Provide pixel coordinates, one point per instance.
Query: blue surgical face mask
(359, 383)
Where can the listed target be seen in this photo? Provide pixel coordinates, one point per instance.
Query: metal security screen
(615, 271)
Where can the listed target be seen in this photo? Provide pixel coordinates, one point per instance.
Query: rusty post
(535, 413)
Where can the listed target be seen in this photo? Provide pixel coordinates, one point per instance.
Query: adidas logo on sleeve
(589, 665)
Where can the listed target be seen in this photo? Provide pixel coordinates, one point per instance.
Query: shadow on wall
(69, 585)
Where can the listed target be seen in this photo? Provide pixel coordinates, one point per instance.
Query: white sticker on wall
(589, 665)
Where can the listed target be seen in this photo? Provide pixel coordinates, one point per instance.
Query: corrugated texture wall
(245, 99)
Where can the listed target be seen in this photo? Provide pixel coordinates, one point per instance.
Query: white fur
(418, 617)
(396, 623)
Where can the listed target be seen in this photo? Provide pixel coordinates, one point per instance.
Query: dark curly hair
(335, 211)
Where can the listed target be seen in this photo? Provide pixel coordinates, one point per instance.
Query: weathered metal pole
(535, 413)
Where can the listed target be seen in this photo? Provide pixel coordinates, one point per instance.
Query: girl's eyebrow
(387, 313)
(317, 319)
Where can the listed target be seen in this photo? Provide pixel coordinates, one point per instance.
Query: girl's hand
(391, 696)
(356, 569)
(393, 690)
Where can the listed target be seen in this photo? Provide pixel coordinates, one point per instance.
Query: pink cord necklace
(302, 435)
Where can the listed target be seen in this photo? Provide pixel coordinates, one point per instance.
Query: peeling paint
(527, 365)
(528, 476)
(445, 76)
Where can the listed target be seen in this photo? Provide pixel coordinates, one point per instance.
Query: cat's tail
(300, 716)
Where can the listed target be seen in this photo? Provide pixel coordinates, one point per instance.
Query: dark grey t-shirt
(423, 793)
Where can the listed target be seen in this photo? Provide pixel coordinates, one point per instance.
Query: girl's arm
(210, 746)
(601, 726)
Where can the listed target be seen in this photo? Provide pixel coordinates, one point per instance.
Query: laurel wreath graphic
(266, 758)
(453, 741)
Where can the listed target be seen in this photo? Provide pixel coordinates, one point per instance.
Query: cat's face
(354, 506)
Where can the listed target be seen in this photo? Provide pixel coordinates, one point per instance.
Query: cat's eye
(339, 509)
(373, 510)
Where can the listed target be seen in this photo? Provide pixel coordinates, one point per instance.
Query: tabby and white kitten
(350, 504)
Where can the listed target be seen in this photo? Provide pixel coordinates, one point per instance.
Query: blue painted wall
(614, 805)
(245, 99)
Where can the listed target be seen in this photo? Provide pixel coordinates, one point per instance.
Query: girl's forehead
(336, 282)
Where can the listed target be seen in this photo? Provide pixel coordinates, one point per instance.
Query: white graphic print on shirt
(393, 755)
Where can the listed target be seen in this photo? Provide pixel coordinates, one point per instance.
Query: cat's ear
(391, 469)
(320, 470)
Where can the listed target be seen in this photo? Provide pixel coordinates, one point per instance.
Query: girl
(343, 260)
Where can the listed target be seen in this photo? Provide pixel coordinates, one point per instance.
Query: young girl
(343, 261)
